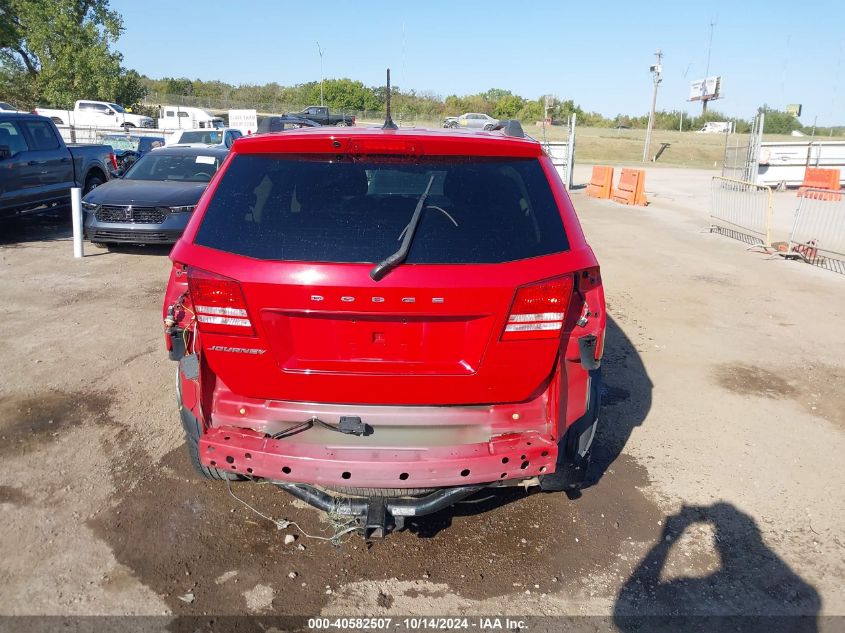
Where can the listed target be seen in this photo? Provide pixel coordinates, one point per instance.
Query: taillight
(113, 160)
(538, 310)
(218, 303)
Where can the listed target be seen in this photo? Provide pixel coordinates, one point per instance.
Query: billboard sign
(705, 89)
(794, 109)
(244, 120)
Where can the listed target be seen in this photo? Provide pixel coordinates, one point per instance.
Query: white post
(76, 215)
(570, 153)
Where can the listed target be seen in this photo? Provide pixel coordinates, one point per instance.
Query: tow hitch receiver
(376, 525)
(378, 514)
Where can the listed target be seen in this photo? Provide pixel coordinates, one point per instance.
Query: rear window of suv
(318, 209)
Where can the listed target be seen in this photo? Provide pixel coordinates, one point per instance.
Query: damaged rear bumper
(508, 456)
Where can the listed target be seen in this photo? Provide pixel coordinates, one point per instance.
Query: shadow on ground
(42, 227)
(51, 226)
(751, 589)
(626, 400)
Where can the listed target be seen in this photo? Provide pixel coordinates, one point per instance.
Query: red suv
(383, 322)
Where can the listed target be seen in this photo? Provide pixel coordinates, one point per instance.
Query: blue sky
(774, 52)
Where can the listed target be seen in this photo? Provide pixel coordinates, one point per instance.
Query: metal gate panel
(818, 234)
(562, 154)
(742, 210)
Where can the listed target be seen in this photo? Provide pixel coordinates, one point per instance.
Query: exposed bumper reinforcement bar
(504, 457)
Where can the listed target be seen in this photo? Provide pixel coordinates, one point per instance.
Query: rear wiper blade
(392, 261)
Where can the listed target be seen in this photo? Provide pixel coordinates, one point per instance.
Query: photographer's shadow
(625, 400)
(753, 589)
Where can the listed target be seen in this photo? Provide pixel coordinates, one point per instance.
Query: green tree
(532, 111)
(59, 51)
(778, 122)
(508, 107)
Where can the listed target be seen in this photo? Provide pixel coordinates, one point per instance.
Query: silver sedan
(472, 120)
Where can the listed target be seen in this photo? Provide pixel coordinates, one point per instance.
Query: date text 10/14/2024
(417, 623)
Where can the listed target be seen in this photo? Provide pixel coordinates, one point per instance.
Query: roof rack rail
(510, 127)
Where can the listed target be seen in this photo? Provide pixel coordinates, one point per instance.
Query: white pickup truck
(96, 114)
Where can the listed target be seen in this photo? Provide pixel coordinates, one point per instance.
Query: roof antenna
(388, 120)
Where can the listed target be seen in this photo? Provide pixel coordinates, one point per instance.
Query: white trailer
(187, 118)
(717, 127)
(785, 162)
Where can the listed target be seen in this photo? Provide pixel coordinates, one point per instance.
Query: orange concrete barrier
(819, 179)
(601, 182)
(631, 188)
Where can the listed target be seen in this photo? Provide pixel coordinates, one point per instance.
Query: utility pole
(656, 71)
(320, 51)
(707, 68)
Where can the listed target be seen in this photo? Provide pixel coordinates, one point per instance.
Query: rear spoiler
(510, 127)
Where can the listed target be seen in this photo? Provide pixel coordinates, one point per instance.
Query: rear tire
(574, 448)
(341, 124)
(92, 182)
(193, 431)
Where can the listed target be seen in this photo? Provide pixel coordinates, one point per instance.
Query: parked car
(153, 201)
(128, 148)
(472, 120)
(281, 122)
(96, 114)
(321, 115)
(204, 138)
(185, 118)
(6, 107)
(37, 169)
(401, 317)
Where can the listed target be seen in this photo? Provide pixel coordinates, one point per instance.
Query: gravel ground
(716, 486)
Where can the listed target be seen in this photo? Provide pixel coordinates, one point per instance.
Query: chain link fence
(742, 153)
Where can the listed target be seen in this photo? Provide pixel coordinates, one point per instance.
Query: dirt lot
(716, 488)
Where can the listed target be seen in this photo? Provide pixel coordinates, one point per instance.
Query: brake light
(113, 160)
(538, 310)
(364, 147)
(218, 303)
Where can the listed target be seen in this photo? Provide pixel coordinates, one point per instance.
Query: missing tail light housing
(589, 278)
(539, 310)
(218, 303)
